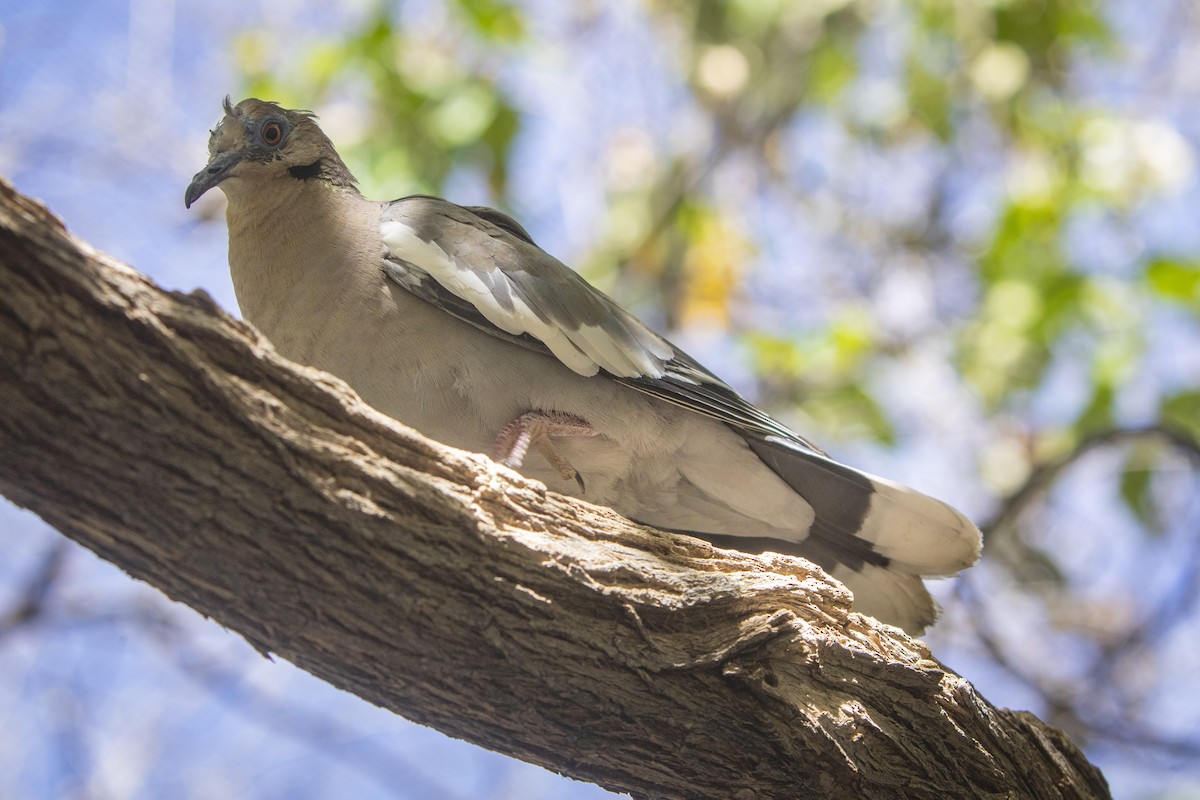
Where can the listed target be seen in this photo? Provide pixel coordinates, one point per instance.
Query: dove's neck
(298, 249)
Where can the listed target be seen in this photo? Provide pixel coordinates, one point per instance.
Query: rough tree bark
(168, 437)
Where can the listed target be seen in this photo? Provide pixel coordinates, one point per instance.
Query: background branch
(1042, 477)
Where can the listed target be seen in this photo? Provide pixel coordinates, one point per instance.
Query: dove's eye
(271, 134)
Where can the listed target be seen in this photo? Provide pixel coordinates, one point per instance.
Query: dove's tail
(876, 536)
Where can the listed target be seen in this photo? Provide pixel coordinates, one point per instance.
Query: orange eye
(272, 134)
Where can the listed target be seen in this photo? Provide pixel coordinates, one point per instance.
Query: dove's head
(259, 142)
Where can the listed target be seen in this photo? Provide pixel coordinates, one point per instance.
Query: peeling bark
(169, 438)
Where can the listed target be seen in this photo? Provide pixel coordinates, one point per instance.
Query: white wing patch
(585, 350)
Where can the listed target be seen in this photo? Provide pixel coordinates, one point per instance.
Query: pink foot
(534, 429)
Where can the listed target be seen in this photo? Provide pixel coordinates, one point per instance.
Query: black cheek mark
(305, 172)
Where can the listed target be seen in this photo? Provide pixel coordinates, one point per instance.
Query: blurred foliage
(433, 106)
(989, 93)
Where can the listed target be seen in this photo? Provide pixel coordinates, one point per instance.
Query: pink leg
(534, 429)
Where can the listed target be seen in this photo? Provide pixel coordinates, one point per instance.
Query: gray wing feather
(491, 251)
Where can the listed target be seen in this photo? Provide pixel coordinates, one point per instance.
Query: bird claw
(534, 429)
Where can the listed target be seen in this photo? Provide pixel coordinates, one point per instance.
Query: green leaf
(494, 19)
(1027, 242)
(1182, 411)
(1178, 281)
(1041, 27)
(930, 99)
(832, 69)
(1136, 486)
(1098, 413)
(499, 138)
(775, 356)
(464, 115)
(1039, 566)
(850, 408)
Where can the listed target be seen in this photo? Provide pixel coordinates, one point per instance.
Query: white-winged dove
(451, 319)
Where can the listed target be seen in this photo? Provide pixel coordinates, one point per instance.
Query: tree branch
(1045, 475)
(170, 438)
